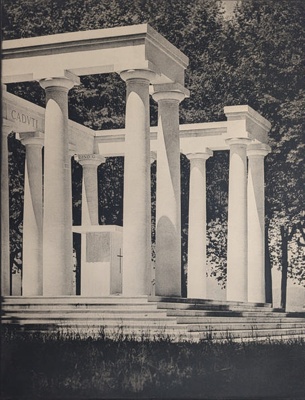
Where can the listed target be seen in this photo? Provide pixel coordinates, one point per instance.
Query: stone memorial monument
(118, 259)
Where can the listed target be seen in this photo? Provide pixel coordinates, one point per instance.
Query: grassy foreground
(64, 366)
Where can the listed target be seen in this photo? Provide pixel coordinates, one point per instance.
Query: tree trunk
(284, 262)
(268, 266)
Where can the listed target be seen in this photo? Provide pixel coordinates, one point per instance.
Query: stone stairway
(152, 317)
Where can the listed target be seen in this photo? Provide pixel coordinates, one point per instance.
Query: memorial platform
(177, 319)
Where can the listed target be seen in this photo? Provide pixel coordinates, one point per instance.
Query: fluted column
(137, 204)
(32, 271)
(90, 163)
(5, 211)
(237, 279)
(57, 227)
(196, 266)
(168, 204)
(256, 222)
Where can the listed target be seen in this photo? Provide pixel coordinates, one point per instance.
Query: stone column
(90, 162)
(256, 222)
(5, 213)
(57, 226)
(32, 215)
(237, 279)
(168, 204)
(137, 204)
(196, 270)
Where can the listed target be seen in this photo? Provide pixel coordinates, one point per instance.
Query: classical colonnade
(47, 246)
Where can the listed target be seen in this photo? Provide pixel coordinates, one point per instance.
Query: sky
(229, 7)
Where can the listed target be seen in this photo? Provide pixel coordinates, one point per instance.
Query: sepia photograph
(152, 199)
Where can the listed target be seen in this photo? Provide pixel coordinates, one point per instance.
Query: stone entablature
(25, 116)
(243, 122)
(93, 52)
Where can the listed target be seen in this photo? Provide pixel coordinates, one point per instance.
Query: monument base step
(151, 318)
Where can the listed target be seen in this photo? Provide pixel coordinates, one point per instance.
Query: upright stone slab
(101, 260)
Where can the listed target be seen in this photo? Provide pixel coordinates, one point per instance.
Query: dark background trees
(255, 58)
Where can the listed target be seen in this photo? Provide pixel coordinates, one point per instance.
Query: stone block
(101, 260)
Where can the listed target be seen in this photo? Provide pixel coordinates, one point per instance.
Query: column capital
(89, 159)
(238, 141)
(169, 91)
(200, 155)
(34, 138)
(137, 74)
(168, 96)
(258, 150)
(67, 81)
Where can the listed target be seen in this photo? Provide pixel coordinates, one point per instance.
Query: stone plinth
(101, 260)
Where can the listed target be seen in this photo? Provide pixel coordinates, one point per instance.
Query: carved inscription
(24, 119)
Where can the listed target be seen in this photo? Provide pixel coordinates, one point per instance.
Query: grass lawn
(36, 366)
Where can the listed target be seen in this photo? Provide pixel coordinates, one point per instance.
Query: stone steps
(139, 308)
(181, 319)
(228, 314)
(147, 320)
(89, 316)
(137, 324)
(101, 312)
(228, 320)
(178, 300)
(244, 326)
(154, 332)
(255, 314)
(76, 300)
(258, 333)
(215, 307)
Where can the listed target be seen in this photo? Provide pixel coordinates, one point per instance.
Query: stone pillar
(137, 203)
(5, 213)
(57, 226)
(32, 216)
(256, 222)
(237, 279)
(196, 270)
(168, 203)
(90, 162)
